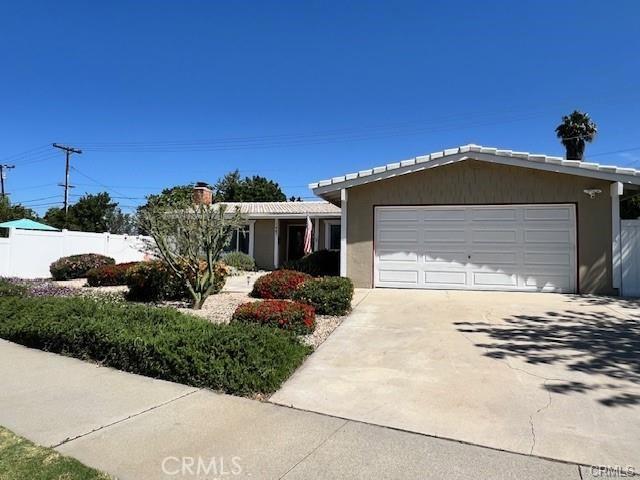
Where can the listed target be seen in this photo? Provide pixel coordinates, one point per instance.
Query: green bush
(328, 295)
(240, 261)
(293, 316)
(319, 264)
(8, 289)
(109, 275)
(157, 342)
(153, 282)
(77, 266)
(278, 284)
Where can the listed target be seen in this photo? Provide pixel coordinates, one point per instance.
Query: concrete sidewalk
(134, 427)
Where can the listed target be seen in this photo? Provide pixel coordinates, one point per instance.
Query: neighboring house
(274, 232)
(482, 219)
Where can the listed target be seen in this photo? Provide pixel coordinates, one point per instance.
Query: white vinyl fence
(630, 243)
(28, 253)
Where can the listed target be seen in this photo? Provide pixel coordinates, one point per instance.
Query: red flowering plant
(279, 284)
(293, 316)
(109, 275)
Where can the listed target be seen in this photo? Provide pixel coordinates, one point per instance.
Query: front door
(295, 242)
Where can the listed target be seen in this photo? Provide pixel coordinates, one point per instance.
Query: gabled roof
(324, 188)
(26, 224)
(283, 209)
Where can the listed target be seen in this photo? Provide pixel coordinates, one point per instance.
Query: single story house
(481, 218)
(274, 232)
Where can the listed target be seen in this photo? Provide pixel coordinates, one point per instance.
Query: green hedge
(8, 289)
(153, 282)
(157, 342)
(77, 266)
(328, 295)
(109, 275)
(240, 261)
(278, 284)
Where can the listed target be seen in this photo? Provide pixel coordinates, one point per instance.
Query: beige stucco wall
(263, 243)
(263, 239)
(474, 182)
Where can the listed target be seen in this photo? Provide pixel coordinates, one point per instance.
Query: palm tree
(575, 130)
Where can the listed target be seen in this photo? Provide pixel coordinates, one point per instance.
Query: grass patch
(158, 342)
(21, 459)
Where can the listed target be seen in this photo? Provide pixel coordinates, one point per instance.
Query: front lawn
(158, 342)
(21, 459)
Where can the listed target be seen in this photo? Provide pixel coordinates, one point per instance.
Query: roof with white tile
(478, 152)
(283, 209)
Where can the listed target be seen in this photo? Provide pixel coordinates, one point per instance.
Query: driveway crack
(102, 427)
(505, 361)
(314, 450)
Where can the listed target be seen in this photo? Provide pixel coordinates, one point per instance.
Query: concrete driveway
(551, 375)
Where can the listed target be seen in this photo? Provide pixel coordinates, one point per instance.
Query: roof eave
(325, 188)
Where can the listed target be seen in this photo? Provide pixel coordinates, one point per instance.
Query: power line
(101, 184)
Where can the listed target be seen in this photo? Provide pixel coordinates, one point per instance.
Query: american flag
(307, 236)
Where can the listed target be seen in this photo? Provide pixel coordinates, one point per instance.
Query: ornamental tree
(190, 238)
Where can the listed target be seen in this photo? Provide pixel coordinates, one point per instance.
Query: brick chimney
(202, 194)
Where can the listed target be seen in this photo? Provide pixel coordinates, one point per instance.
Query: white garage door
(480, 247)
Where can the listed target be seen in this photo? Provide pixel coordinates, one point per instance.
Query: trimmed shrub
(10, 289)
(319, 264)
(77, 266)
(240, 261)
(152, 282)
(328, 295)
(109, 275)
(296, 317)
(157, 342)
(278, 284)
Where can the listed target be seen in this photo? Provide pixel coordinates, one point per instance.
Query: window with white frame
(332, 234)
(240, 240)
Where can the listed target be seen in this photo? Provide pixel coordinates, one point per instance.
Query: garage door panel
(548, 282)
(445, 257)
(398, 256)
(495, 279)
(495, 236)
(494, 214)
(398, 215)
(398, 235)
(445, 235)
(409, 277)
(547, 236)
(545, 258)
(446, 215)
(512, 247)
(495, 258)
(435, 278)
(547, 213)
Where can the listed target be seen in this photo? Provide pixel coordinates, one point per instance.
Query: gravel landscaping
(219, 307)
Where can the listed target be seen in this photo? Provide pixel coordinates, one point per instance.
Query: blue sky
(163, 93)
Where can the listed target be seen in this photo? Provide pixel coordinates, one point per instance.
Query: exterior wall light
(592, 192)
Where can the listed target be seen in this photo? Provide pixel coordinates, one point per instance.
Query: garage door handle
(469, 257)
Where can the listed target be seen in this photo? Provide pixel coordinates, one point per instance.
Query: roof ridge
(473, 148)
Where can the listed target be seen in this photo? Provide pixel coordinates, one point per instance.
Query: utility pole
(3, 176)
(68, 151)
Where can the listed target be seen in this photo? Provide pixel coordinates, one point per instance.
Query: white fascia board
(285, 216)
(383, 174)
(492, 155)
